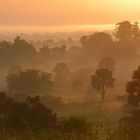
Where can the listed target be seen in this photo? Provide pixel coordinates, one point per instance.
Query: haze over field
(54, 29)
(69, 70)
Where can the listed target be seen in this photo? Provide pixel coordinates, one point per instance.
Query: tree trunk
(103, 93)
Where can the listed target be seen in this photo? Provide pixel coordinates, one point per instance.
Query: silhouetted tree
(133, 89)
(102, 80)
(132, 117)
(38, 116)
(127, 31)
(29, 81)
(123, 30)
(45, 51)
(30, 115)
(96, 44)
(61, 73)
(17, 52)
(136, 31)
(58, 52)
(99, 39)
(33, 117)
(22, 48)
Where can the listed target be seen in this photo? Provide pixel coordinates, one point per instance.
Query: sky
(67, 12)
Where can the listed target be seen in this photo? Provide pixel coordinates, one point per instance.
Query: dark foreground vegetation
(82, 92)
(32, 120)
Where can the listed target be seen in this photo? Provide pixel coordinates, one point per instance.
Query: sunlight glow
(67, 12)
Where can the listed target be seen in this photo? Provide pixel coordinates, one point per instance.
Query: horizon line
(55, 28)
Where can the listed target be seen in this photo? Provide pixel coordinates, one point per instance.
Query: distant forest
(70, 92)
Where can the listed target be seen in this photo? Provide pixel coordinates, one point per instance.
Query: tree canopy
(29, 82)
(102, 80)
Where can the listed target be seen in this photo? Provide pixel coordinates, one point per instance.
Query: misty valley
(82, 86)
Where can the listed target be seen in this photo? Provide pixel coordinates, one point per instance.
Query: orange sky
(67, 12)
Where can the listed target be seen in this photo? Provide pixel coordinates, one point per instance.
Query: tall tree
(127, 31)
(133, 89)
(123, 30)
(132, 118)
(102, 80)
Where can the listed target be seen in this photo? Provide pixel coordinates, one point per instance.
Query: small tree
(133, 89)
(102, 80)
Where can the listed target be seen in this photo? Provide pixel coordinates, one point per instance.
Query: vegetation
(29, 81)
(133, 89)
(66, 80)
(32, 119)
(102, 80)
